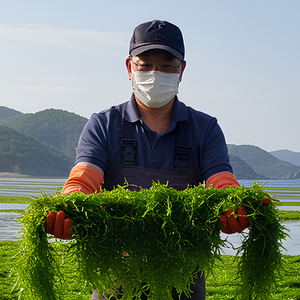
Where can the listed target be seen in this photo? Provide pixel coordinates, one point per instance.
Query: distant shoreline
(13, 175)
(18, 175)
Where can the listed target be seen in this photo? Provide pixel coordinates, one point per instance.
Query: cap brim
(145, 48)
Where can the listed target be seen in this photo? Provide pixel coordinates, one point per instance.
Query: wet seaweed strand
(168, 234)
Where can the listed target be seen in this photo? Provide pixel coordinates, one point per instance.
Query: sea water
(30, 187)
(27, 187)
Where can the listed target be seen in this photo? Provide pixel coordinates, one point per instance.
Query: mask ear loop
(132, 75)
(180, 76)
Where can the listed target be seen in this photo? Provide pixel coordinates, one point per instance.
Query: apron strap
(182, 147)
(128, 143)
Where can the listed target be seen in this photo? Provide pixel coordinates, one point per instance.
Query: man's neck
(157, 119)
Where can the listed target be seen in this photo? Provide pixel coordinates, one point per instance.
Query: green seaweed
(153, 241)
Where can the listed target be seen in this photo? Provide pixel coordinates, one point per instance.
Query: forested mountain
(264, 163)
(26, 155)
(58, 128)
(242, 170)
(287, 155)
(6, 112)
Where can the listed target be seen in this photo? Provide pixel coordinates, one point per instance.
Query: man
(153, 136)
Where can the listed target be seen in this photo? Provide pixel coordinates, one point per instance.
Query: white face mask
(154, 88)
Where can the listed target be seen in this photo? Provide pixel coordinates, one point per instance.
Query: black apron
(137, 177)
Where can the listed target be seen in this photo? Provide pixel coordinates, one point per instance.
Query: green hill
(6, 113)
(264, 163)
(58, 128)
(242, 170)
(287, 155)
(26, 155)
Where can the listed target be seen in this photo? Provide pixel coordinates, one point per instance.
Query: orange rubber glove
(84, 177)
(234, 223)
(222, 180)
(57, 225)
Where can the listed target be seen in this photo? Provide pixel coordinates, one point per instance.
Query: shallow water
(9, 226)
(271, 183)
(283, 195)
(29, 187)
(13, 206)
(294, 208)
(33, 187)
(291, 244)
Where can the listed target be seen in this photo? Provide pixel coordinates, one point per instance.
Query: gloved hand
(57, 225)
(234, 223)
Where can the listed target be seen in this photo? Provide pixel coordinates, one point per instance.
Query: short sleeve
(215, 157)
(93, 142)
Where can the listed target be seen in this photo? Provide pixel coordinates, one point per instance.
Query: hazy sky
(243, 63)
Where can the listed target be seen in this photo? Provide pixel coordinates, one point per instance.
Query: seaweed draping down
(154, 240)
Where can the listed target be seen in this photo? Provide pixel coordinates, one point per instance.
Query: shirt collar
(179, 112)
(132, 113)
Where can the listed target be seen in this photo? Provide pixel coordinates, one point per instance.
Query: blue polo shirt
(100, 141)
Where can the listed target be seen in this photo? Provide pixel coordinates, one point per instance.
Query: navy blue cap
(157, 35)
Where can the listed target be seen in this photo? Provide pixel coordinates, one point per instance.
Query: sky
(243, 64)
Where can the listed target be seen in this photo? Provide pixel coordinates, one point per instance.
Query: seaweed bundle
(152, 241)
